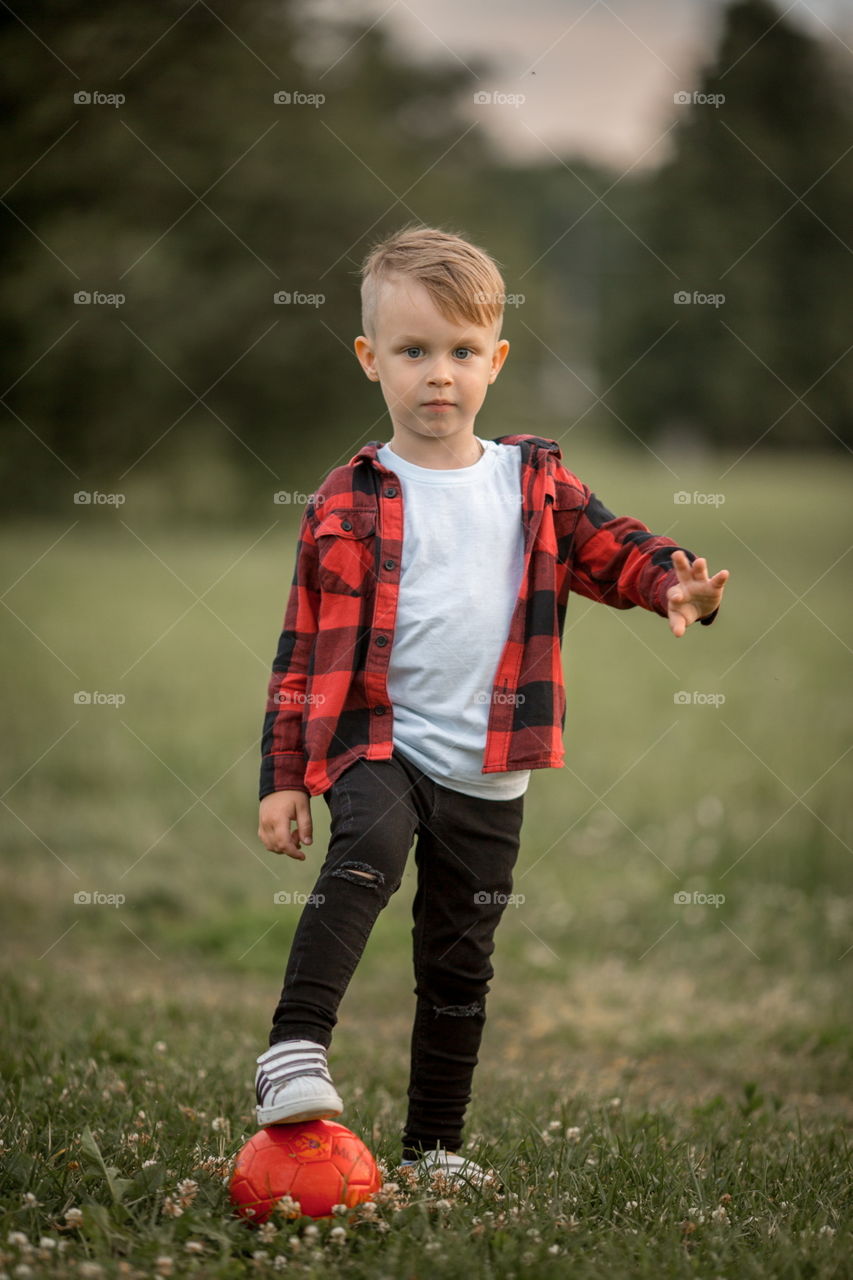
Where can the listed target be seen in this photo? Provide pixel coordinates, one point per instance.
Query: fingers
(278, 838)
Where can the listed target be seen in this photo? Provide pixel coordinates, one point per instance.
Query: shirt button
(390, 564)
(346, 524)
(390, 492)
(379, 711)
(381, 641)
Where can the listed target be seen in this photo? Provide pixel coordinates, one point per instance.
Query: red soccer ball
(317, 1163)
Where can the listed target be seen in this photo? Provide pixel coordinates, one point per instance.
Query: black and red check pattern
(327, 702)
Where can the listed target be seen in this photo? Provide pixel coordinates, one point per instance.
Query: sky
(597, 77)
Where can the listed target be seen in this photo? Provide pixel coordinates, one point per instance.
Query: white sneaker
(456, 1168)
(292, 1083)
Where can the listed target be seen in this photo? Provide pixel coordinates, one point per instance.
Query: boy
(418, 677)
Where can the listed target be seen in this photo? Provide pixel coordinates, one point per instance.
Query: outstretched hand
(695, 595)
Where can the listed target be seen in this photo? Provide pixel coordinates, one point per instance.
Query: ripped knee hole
(360, 873)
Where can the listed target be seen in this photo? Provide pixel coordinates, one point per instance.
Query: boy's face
(420, 358)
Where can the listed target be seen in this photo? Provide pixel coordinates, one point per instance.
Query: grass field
(664, 1086)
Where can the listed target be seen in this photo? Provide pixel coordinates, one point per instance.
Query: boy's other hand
(277, 811)
(695, 595)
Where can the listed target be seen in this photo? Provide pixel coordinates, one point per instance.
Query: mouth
(438, 404)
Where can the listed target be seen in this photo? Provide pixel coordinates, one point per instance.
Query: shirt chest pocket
(346, 549)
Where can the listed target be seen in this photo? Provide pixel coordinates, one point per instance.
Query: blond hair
(462, 280)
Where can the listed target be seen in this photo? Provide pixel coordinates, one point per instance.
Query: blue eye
(408, 349)
(468, 349)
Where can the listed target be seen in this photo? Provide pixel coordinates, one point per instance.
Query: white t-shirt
(463, 555)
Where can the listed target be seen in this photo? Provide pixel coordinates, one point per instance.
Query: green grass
(723, 1031)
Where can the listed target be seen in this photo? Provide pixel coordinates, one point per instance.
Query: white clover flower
(338, 1234)
(164, 1265)
(194, 1246)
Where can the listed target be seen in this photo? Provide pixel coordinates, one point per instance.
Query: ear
(499, 355)
(366, 357)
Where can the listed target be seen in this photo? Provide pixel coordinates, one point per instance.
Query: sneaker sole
(300, 1109)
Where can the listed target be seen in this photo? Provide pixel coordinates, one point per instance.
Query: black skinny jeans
(466, 850)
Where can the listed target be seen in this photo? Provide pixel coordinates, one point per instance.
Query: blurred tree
(755, 205)
(200, 198)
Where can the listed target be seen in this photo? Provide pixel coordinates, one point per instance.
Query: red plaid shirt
(328, 703)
